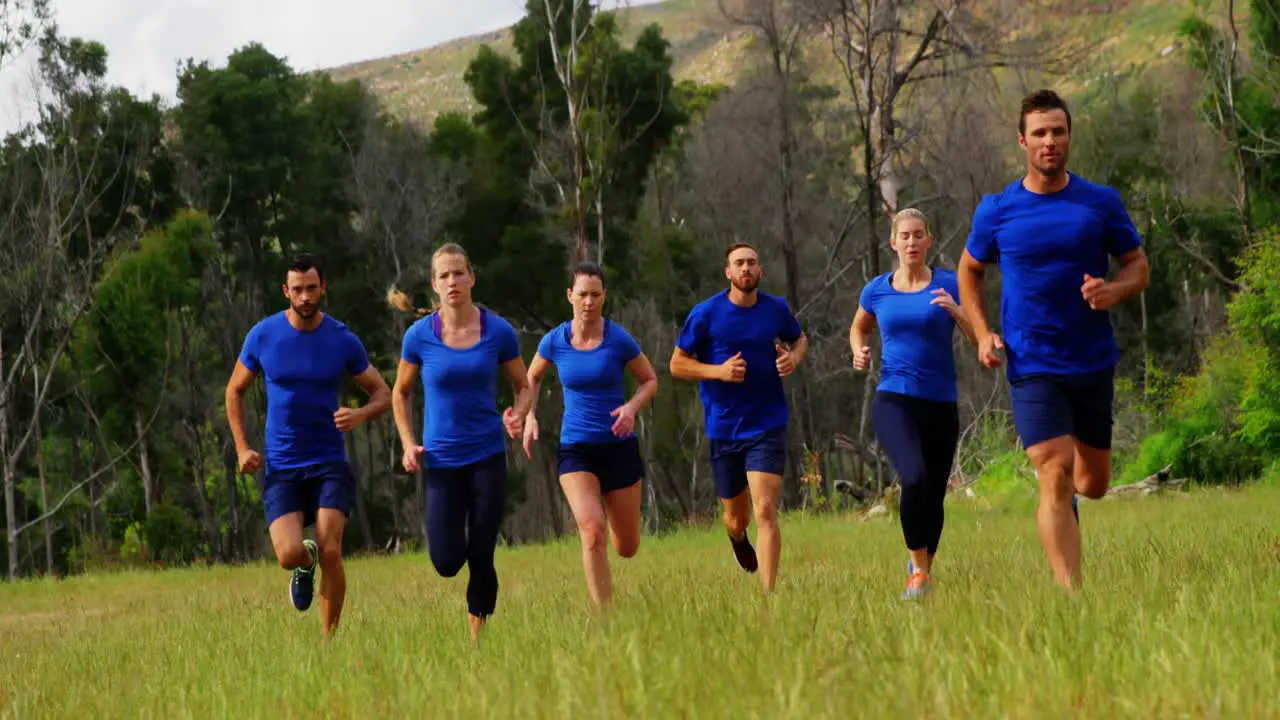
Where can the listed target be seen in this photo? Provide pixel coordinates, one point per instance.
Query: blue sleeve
(981, 243)
(357, 357)
(788, 326)
(952, 286)
(546, 346)
(628, 348)
(867, 300)
(508, 343)
(409, 346)
(693, 336)
(249, 351)
(1122, 236)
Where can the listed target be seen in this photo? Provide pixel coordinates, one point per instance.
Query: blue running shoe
(302, 586)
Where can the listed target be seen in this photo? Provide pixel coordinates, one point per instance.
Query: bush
(171, 536)
(994, 454)
(1223, 424)
(132, 551)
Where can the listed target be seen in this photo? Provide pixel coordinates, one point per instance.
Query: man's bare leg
(286, 540)
(737, 516)
(1054, 461)
(298, 554)
(764, 500)
(1092, 471)
(333, 579)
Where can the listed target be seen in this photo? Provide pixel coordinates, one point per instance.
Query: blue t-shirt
(915, 334)
(715, 331)
(1044, 245)
(461, 423)
(302, 371)
(593, 380)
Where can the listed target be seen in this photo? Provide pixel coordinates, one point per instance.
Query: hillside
(707, 47)
(424, 83)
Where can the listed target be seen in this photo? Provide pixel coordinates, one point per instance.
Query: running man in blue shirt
(457, 351)
(303, 356)
(599, 453)
(730, 345)
(1052, 233)
(914, 411)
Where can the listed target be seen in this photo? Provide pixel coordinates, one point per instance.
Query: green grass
(1178, 618)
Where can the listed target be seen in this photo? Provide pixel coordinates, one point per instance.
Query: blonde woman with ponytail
(456, 350)
(914, 412)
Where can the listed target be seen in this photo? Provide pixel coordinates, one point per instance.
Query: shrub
(1223, 424)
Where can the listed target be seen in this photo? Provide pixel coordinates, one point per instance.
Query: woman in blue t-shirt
(914, 413)
(457, 351)
(599, 454)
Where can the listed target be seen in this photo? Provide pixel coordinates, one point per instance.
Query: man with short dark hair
(303, 356)
(729, 343)
(1052, 233)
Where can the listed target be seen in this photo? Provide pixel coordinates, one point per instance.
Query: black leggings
(464, 513)
(920, 438)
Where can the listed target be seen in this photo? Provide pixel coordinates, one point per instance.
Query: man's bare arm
(969, 277)
(686, 367)
(375, 387)
(241, 378)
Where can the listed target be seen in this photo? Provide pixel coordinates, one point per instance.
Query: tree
(21, 21)
(883, 48)
(566, 134)
(1241, 104)
(130, 336)
(62, 170)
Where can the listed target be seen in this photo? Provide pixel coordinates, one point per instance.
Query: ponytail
(399, 300)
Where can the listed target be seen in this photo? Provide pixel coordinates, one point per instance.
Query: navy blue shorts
(731, 460)
(616, 465)
(307, 489)
(1050, 406)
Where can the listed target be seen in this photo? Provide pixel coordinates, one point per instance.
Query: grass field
(1180, 617)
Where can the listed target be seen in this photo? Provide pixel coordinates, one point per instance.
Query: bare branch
(100, 471)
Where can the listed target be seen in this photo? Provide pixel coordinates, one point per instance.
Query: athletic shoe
(917, 586)
(302, 586)
(745, 554)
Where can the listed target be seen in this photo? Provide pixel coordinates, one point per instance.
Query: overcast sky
(145, 39)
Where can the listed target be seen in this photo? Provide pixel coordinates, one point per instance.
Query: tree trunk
(195, 437)
(580, 236)
(44, 492)
(600, 227)
(234, 551)
(144, 462)
(10, 510)
(353, 460)
(553, 497)
(367, 492)
(75, 473)
(1146, 352)
(1244, 204)
(11, 519)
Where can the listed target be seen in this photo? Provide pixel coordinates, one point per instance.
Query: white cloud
(147, 39)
